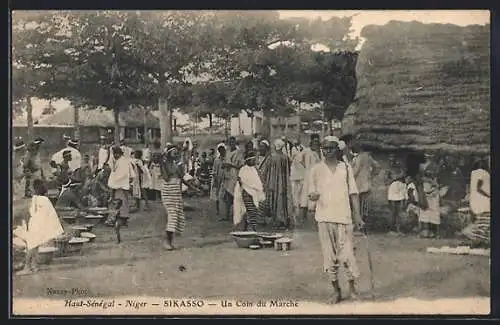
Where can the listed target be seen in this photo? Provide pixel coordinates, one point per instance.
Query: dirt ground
(216, 268)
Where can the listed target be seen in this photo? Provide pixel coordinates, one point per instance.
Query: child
(42, 225)
(116, 220)
(396, 192)
(412, 207)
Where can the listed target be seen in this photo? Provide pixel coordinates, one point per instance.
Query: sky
(361, 19)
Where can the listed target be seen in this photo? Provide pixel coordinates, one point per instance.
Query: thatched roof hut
(424, 87)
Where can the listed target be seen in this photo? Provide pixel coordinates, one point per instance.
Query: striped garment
(479, 231)
(253, 213)
(171, 198)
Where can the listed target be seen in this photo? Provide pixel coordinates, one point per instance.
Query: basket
(46, 254)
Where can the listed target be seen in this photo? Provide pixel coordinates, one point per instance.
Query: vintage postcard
(269, 162)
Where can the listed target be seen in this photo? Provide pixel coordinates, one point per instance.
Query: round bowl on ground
(269, 236)
(266, 243)
(46, 254)
(76, 230)
(94, 219)
(246, 242)
(60, 209)
(98, 209)
(75, 244)
(88, 235)
(69, 219)
(244, 233)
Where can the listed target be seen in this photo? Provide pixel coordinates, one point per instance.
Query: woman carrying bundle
(248, 194)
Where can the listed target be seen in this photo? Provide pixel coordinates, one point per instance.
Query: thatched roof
(424, 87)
(101, 117)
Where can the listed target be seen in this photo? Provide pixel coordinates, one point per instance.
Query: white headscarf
(341, 145)
(220, 145)
(265, 142)
(188, 144)
(279, 144)
(332, 138)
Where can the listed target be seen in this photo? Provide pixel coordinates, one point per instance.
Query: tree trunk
(226, 128)
(299, 128)
(29, 118)
(251, 124)
(116, 114)
(165, 128)
(76, 122)
(323, 120)
(210, 122)
(330, 126)
(145, 132)
(239, 124)
(170, 125)
(266, 125)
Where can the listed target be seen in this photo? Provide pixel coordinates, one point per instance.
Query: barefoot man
(333, 187)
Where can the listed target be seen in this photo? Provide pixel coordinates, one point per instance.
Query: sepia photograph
(250, 162)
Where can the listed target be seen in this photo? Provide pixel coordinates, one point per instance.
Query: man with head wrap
(333, 187)
(276, 180)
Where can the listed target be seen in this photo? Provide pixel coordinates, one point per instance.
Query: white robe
(251, 183)
(43, 224)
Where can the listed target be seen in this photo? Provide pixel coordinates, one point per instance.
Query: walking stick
(370, 263)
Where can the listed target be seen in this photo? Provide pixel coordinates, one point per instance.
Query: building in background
(244, 125)
(96, 122)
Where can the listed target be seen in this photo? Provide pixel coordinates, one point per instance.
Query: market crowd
(255, 184)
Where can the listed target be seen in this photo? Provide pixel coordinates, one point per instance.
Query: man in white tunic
(104, 154)
(120, 178)
(333, 187)
(76, 156)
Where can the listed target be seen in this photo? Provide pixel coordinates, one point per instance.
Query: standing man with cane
(333, 187)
